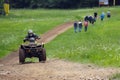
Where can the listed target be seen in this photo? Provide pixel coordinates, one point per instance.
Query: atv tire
(42, 57)
(21, 56)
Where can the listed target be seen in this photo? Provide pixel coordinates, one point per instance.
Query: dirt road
(53, 69)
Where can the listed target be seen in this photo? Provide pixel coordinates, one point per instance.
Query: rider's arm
(25, 39)
(36, 36)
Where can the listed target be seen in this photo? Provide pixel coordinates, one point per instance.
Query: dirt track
(53, 69)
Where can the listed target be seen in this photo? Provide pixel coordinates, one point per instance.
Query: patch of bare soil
(53, 69)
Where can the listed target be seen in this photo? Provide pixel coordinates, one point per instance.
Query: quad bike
(32, 49)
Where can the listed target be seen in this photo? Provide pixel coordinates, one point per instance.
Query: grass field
(115, 77)
(100, 45)
(14, 27)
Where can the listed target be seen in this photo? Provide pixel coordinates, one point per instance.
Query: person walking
(86, 18)
(108, 14)
(6, 7)
(86, 25)
(93, 21)
(75, 26)
(95, 16)
(102, 16)
(80, 25)
(90, 18)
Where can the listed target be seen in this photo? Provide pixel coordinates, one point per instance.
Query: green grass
(115, 77)
(100, 45)
(14, 27)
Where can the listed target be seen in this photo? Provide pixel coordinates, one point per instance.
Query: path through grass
(100, 45)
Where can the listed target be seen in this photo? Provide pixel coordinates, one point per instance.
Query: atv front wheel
(21, 56)
(42, 57)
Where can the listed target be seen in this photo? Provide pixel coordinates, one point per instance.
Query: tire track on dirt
(50, 35)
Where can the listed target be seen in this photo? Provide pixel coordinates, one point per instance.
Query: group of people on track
(89, 19)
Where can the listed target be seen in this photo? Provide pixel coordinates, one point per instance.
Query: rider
(30, 35)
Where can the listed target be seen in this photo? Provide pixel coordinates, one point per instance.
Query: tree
(63, 4)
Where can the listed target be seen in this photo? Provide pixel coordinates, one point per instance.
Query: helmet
(32, 39)
(30, 31)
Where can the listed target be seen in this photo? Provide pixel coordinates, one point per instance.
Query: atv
(32, 49)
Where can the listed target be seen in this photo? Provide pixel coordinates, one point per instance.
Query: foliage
(1, 3)
(1, 7)
(63, 4)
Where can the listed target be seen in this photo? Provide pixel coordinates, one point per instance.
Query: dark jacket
(95, 14)
(86, 18)
(27, 38)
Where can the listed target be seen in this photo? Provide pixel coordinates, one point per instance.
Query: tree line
(62, 4)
